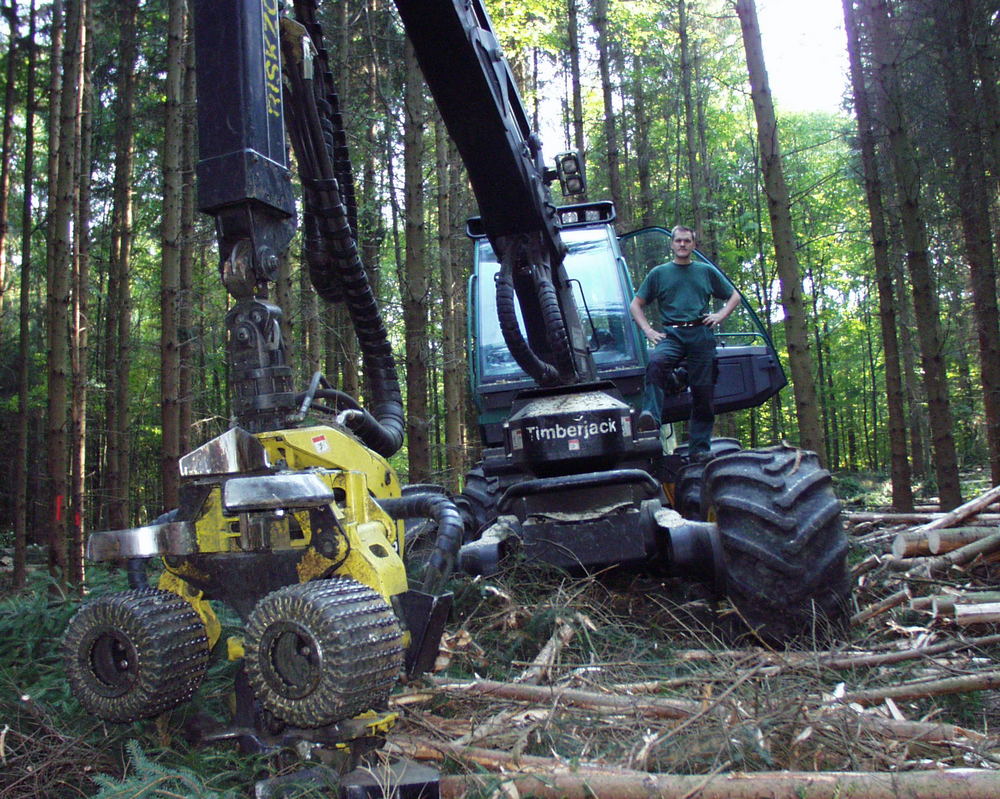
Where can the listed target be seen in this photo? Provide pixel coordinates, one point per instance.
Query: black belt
(698, 323)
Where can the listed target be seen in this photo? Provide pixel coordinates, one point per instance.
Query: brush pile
(615, 686)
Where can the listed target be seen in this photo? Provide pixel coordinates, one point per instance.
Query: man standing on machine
(683, 290)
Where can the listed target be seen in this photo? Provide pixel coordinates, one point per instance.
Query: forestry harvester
(298, 526)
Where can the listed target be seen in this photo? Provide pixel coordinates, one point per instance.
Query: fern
(152, 780)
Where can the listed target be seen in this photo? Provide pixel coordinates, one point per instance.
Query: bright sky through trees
(806, 53)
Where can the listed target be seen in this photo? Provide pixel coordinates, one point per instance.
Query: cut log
(910, 545)
(891, 601)
(925, 731)
(967, 615)
(870, 563)
(941, 784)
(539, 669)
(962, 556)
(941, 541)
(603, 703)
(492, 759)
(961, 512)
(944, 600)
(862, 517)
(915, 690)
(841, 662)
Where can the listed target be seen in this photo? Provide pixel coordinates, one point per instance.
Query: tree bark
(453, 374)
(796, 332)
(185, 281)
(24, 330)
(643, 149)
(7, 142)
(952, 784)
(80, 325)
(984, 41)
(119, 306)
(973, 200)
(989, 680)
(600, 21)
(173, 183)
(690, 125)
(573, 40)
(600, 703)
(925, 297)
(415, 284)
(902, 489)
(60, 266)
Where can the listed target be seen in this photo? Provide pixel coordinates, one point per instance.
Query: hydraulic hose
(443, 512)
(331, 249)
(538, 370)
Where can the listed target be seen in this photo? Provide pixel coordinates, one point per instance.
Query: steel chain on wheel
(784, 546)
(135, 654)
(322, 651)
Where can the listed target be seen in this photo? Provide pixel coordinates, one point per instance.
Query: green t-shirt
(683, 291)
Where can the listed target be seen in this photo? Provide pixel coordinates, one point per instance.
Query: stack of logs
(934, 549)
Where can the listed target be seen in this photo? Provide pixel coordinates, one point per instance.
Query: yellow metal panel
(196, 598)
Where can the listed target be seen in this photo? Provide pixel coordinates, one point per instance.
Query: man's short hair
(682, 229)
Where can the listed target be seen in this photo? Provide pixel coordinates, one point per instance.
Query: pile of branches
(590, 687)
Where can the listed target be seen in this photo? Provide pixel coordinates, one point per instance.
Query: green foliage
(51, 737)
(153, 780)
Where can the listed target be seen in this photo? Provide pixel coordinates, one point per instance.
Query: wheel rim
(114, 662)
(293, 662)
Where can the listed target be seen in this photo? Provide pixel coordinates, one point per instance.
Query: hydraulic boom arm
(477, 97)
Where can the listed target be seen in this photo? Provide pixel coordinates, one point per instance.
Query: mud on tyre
(783, 544)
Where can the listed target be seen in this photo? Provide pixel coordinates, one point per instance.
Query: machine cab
(602, 290)
(602, 267)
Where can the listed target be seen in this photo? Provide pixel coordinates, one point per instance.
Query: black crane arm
(259, 74)
(477, 97)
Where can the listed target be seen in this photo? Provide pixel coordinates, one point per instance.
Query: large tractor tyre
(323, 651)
(687, 489)
(478, 501)
(135, 654)
(784, 548)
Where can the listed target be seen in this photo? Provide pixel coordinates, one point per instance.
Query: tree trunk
(690, 123)
(902, 489)
(973, 199)
(187, 338)
(454, 374)
(80, 326)
(984, 41)
(24, 345)
(7, 141)
(913, 387)
(119, 306)
(643, 150)
(61, 193)
(573, 37)
(925, 297)
(710, 242)
(796, 333)
(173, 183)
(610, 124)
(414, 288)
(310, 341)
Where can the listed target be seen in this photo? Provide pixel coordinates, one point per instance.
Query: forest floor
(608, 686)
